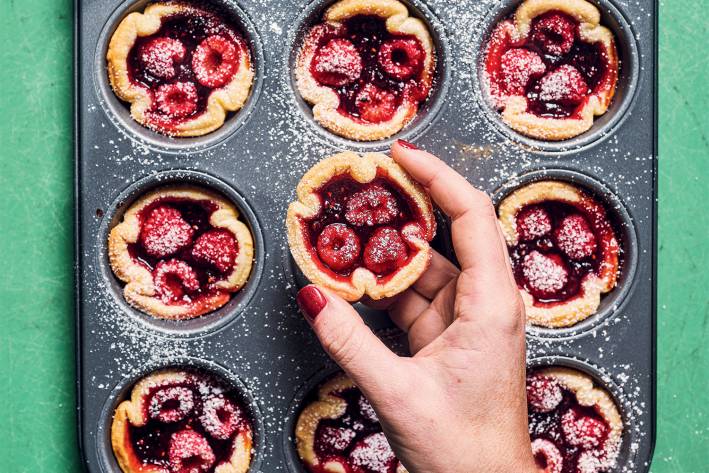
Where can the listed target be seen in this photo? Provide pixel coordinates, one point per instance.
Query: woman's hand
(458, 405)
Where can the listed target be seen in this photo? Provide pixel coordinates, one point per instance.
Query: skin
(459, 403)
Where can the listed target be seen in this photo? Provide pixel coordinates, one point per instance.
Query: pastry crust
(363, 169)
(325, 100)
(133, 412)
(228, 98)
(140, 290)
(514, 107)
(568, 313)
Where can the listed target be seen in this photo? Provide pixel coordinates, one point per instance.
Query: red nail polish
(406, 144)
(311, 301)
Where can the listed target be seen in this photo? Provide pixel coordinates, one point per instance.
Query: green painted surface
(36, 289)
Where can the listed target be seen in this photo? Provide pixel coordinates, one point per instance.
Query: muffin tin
(258, 341)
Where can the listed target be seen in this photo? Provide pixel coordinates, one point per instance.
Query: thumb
(347, 339)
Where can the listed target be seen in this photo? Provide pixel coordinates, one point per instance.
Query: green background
(36, 241)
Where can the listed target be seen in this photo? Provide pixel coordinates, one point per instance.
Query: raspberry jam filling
(360, 225)
(566, 436)
(559, 245)
(354, 439)
(372, 70)
(193, 53)
(191, 425)
(552, 67)
(183, 251)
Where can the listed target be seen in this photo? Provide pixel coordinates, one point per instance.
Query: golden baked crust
(514, 107)
(325, 100)
(140, 290)
(362, 169)
(228, 98)
(133, 412)
(572, 311)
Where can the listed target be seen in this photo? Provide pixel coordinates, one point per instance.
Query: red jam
(191, 425)
(372, 70)
(192, 54)
(360, 225)
(552, 67)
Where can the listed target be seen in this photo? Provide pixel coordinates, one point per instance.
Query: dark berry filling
(553, 67)
(191, 425)
(372, 70)
(191, 54)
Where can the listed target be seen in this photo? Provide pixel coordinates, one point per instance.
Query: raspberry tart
(575, 426)
(361, 225)
(366, 68)
(181, 251)
(551, 68)
(339, 432)
(564, 251)
(181, 67)
(182, 421)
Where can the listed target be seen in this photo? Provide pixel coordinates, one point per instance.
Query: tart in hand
(366, 68)
(339, 432)
(564, 251)
(181, 251)
(551, 68)
(574, 425)
(181, 67)
(361, 225)
(182, 421)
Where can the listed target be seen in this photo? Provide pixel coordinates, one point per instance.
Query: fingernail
(311, 301)
(406, 144)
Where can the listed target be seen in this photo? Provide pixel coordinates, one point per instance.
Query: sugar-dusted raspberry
(373, 454)
(543, 393)
(159, 56)
(575, 238)
(220, 417)
(545, 274)
(518, 67)
(385, 251)
(171, 404)
(173, 279)
(367, 411)
(165, 232)
(547, 456)
(217, 249)
(533, 222)
(334, 439)
(338, 246)
(554, 33)
(215, 61)
(177, 100)
(374, 104)
(337, 63)
(190, 452)
(583, 430)
(401, 58)
(593, 461)
(565, 86)
(373, 205)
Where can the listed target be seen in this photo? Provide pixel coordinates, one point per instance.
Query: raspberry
(385, 252)
(220, 418)
(518, 67)
(582, 430)
(172, 278)
(373, 454)
(533, 222)
(338, 246)
(165, 232)
(565, 85)
(159, 55)
(543, 393)
(575, 238)
(171, 404)
(215, 248)
(547, 456)
(335, 440)
(189, 452)
(337, 63)
(401, 58)
(215, 61)
(373, 205)
(367, 411)
(177, 100)
(545, 274)
(374, 104)
(554, 33)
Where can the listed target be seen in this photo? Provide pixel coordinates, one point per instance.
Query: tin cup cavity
(121, 392)
(603, 126)
(211, 321)
(119, 112)
(612, 302)
(311, 16)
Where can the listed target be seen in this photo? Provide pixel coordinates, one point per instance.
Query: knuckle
(344, 343)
